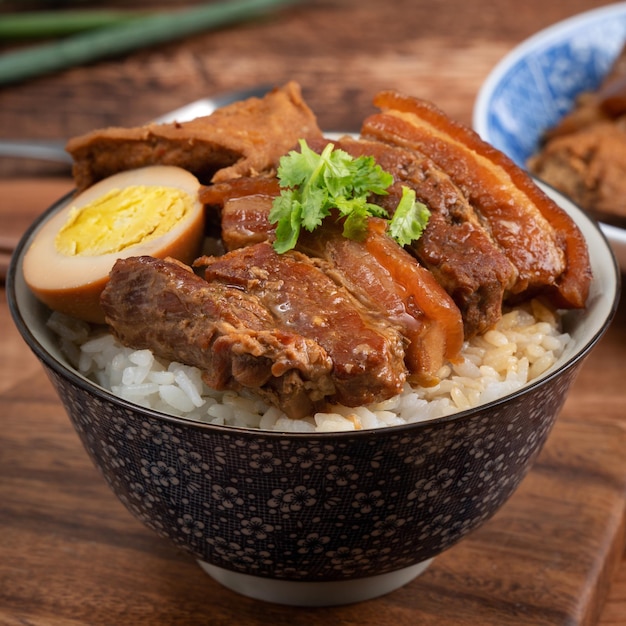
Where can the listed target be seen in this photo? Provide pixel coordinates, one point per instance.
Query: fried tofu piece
(242, 139)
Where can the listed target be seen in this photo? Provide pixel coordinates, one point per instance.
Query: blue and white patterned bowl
(316, 519)
(534, 85)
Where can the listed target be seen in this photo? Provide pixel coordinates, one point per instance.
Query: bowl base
(312, 594)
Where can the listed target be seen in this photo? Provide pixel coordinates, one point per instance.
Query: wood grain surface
(70, 553)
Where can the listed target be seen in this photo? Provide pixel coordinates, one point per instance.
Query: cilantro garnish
(409, 219)
(314, 184)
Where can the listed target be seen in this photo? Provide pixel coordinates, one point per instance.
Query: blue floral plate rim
(588, 23)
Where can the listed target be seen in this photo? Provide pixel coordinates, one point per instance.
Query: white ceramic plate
(537, 82)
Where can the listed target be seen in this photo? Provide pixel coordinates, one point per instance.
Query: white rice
(524, 344)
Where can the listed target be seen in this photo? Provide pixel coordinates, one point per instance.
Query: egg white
(72, 284)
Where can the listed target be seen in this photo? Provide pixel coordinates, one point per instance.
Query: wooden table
(70, 554)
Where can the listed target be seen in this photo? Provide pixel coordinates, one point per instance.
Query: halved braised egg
(151, 211)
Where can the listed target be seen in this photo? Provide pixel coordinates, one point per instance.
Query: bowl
(534, 85)
(317, 519)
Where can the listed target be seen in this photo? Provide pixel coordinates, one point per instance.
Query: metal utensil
(54, 149)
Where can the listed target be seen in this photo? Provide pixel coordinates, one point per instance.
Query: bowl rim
(64, 370)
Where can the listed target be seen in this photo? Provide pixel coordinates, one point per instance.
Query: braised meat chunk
(344, 314)
(589, 166)
(477, 282)
(387, 279)
(584, 155)
(241, 139)
(366, 349)
(243, 206)
(376, 270)
(537, 236)
(227, 333)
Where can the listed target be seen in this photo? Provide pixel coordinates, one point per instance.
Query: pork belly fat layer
(230, 335)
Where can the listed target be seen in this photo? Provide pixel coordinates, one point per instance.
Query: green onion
(38, 24)
(105, 42)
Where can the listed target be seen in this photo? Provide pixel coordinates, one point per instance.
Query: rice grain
(524, 344)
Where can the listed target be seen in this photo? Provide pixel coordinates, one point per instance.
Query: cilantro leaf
(410, 218)
(312, 185)
(287, 212)
(355, 224)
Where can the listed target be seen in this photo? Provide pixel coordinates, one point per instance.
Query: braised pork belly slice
(387, 279)
(230, 335)
(367, 350)
(477, 281)
(537, 236)
(383, 276)
(243, 205)
(241, 139)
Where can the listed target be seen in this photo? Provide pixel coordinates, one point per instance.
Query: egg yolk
(154, 211)
(122, 218)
